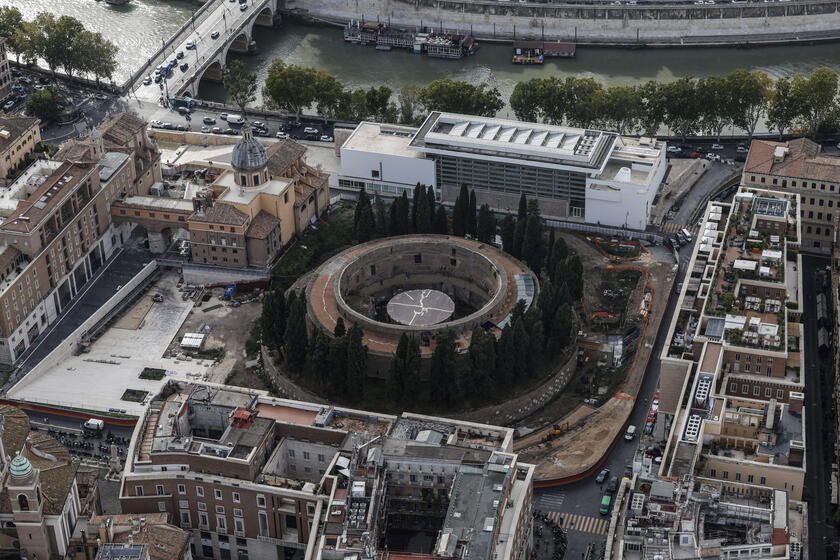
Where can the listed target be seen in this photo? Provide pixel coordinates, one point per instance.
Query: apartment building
(257, 477)
(575, 174)
(798, 167)
(737, 335)
(5, 71)
(18, 138)
(697, 517)
(56, 235)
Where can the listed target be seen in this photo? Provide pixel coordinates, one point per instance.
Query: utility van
(686, 234)
(94, 425)
(605, 504)
(235, 119)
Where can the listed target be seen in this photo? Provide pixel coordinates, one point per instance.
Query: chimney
(770, 417)
(779, 154)
(795, 400)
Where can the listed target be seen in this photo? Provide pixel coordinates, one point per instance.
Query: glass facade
(510, 178)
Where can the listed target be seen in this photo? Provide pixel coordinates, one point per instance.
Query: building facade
(256, 477)
(5, 71)
(575, 175)
(54, 240)
(18, 138)
(738, 330)
(798, 167)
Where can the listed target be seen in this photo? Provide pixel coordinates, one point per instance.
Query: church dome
(248, 154)
(20, 467)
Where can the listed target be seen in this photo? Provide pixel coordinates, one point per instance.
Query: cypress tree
(430, 200)
(574, 277)
(363, 221)
(472, 227)
(486, 224)
(337, 371)
(404, 371)
(522, 346)
(402, 214)
(273, 319)
(459, 223)
(532, 244)
(519, 237)
(339, 330)
(393, 218)
(505, 358)
(320, 356)
(356, 362)
(296, 338)
(441, 223)
(419, 198)
(523, 207)
(508, 228)
(444, 369)
(381, 216)
(423, 220)
(482, 356)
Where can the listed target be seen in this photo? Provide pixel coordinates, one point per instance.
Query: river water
(138, 28)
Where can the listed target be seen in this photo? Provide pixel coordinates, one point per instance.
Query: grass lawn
(155, 374)
(134, 395)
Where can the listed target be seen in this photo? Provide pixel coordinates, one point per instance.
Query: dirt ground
(229, 329)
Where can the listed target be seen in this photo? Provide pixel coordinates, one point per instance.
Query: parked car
(613, 485)
(147, 80)
(158, 79)
(258, 124)
(674, 149)
(184, 110)
(179, 54)
(630, 434)
(208, 120)
(231, 132)
(235, 119)
(243, 7)
(696, 155)
(674, 243)
(190, 45)
(649, 428)
(282, 135)
(218, 130)
(741, 149)
(602, 476)
(717, 146)
(205, 129)
(8, 105)
(310, 130)
(326, 138)
(184, 67)
(214, 35)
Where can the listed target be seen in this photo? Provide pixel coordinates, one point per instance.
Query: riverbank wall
(634, 26)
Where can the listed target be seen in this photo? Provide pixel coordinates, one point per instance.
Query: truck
(94, 425)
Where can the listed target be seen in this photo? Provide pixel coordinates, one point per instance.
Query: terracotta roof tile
(262, 224)
(282, 155)
(16, 127)
(221, 214)
(802, 160)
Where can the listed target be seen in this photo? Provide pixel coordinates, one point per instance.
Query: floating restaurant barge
(419, 41)
(535, 52)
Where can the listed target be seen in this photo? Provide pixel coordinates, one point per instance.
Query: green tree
(443, 370)
(25, 39)
(290, 87)
(521, 222)
(241, 85)
(620, 109)
(353, 105)
(533, 243)
(11, 23)
(472, 225)
(556, 100)
(409, 103)
(486, 224)
(584, 100)
(97, 55)
(482, 357)
(522, 348)
(561, 329)
(273, 319)
(356, 362)
(682, 110)
(441, 223)
(750, 93)
(377, 99)
(381, 215)
(460, 97)
(651, 107)
(43, 104)
(364, 224)
(505, 359)
(715, 104)
(404, 369)
(339, 330)
(337, 373)
(782, 110)
(422, 218)
(527, 100)
(402, 214)
(460, 213)
(320, 356)
(329, 94)
(296, 338)
(815, 97)
(574, 277)
(507, 230)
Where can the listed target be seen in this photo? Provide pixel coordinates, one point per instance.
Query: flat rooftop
(290, 414)
(159, 203)
(484, 136)
(27, 183)
(383, 139)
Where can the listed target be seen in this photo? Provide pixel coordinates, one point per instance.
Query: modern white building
(575, 174)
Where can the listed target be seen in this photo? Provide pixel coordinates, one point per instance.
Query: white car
(8, 105)
(326, 138)
(282, 135)
(190, 45)
(310, 130)
(717, 147)
(214, 35)
(674, 149)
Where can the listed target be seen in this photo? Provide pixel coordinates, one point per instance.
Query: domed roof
(248, 153)
(20, 466)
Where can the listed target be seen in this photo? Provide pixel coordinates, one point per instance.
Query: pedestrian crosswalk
(581, 523)
(674, 228)
(550, 501)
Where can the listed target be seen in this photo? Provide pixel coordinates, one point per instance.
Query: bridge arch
(239, 43)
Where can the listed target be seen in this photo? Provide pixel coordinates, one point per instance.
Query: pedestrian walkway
(550, 501)
(581, 523)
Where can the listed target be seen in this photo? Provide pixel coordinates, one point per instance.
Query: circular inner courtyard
(420, 307)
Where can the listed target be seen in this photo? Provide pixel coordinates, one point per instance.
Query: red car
(696, 155)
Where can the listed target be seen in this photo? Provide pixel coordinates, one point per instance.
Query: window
(260, 500)
(747, 367)
(161, 506)
(182, 489)
(756, 390)
(23, 502)
(768, 392)
(237, 512)
(750, 478)
(185, 519)
(203, 522)
(762, 480)
(780, 394)
(138, 490)
(320, 457)
(725, 475)
(291, 452)
(263, 523)
(737, 357)
(745, 388)
(220, 509)
(183, 504)
(202, 506)
(374, 173)
(418, 258)
(310, 509)
(738, 477)
(712, 473)
(306, 455)
(218, 494)
(199, 491)
(236, 497)
(159, 489)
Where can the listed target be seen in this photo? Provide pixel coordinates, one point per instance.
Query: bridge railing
(199, 16)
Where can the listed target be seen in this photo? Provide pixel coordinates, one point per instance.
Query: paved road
(819, 453)
(716, 175)
(578, 504)
(224, 21)
(116, 272)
